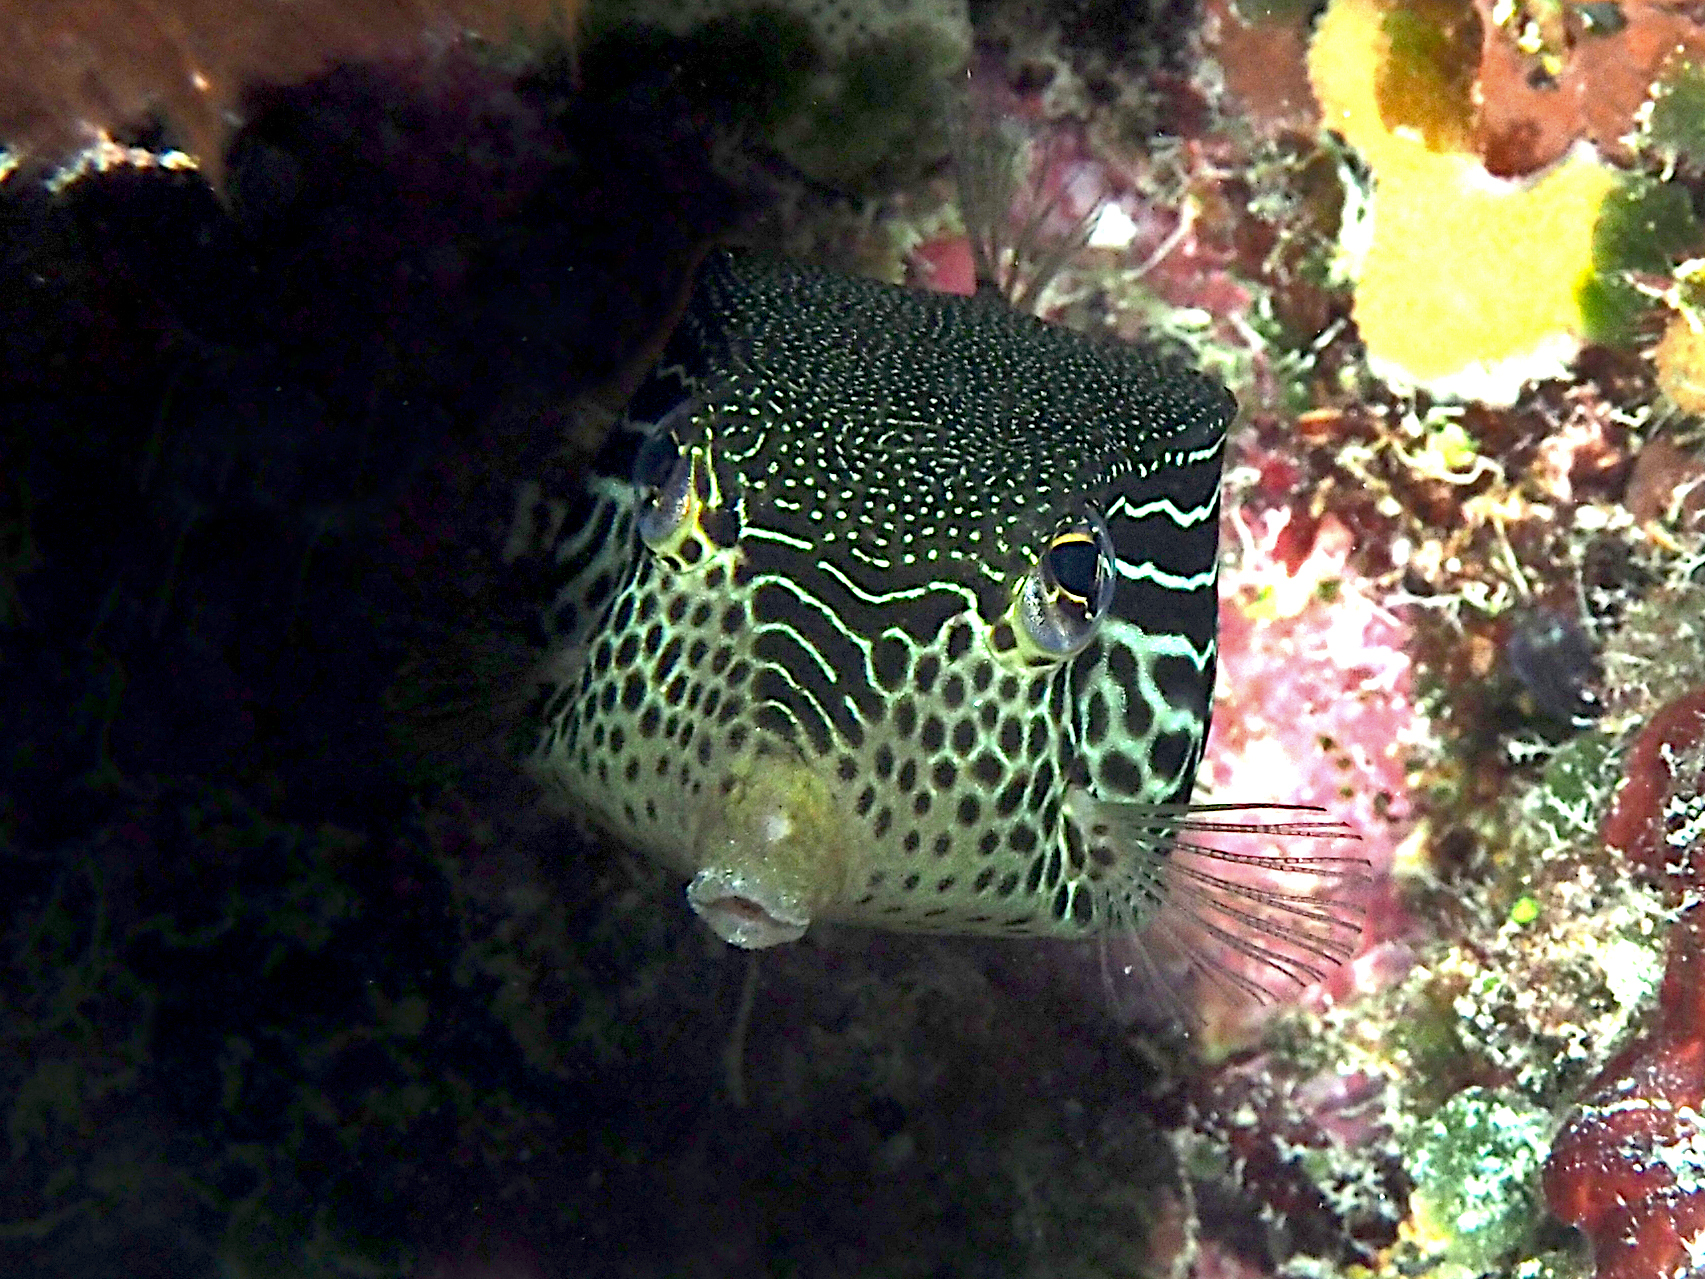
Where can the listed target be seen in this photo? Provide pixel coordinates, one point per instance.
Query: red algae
(1264, 59)
(1628, 1168)
(1315, 683)
(1281, 1132)
(1645, 822)
(1520, 85)
(1540, 91)
(944, 264)
(1667, 484)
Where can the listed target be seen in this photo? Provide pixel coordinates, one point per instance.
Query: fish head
(871, 580)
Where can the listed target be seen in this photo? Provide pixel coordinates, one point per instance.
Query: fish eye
(672, 484)
(1066, 594)
(663, 478)
(656, 458)
(1072, 563)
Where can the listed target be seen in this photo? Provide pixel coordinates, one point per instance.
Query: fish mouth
(744, 914)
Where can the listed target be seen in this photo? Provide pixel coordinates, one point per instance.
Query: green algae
(328, 1044)
(877, 117)
(1675, 127)
(757, 65)
(1573, 790)
(863, 116)
(1426, 82)
(1645, 227)
(1476, 1164)
(1524, 911)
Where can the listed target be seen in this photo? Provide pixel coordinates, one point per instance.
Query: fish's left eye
(1067, 593)
(1074, 566)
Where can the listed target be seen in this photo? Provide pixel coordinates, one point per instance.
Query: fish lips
(746, 914)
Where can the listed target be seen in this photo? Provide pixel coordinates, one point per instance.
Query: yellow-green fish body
(893, 608)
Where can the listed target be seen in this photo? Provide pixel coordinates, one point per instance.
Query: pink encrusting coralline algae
(1314, 694)
(1314, 705)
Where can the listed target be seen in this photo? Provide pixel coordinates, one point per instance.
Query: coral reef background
(292, 302)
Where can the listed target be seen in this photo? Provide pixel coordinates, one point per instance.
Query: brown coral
(75, 69)
(1549, 79)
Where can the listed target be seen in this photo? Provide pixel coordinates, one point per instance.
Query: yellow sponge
(1467, 286)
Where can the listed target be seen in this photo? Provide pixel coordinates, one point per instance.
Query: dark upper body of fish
(896, 608)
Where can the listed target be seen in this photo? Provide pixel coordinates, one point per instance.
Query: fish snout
(767, 853)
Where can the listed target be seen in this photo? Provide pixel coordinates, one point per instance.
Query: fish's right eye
(657, 457)
(668, 496)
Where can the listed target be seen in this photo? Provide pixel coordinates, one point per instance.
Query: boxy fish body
(899, 609)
